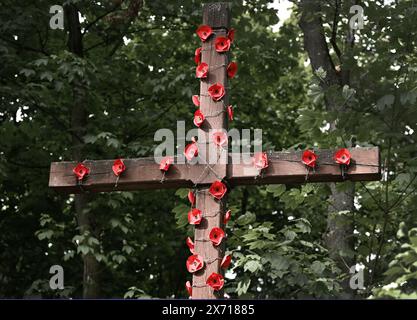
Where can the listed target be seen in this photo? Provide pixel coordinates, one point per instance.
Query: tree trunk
(78, 127)
(339, 237)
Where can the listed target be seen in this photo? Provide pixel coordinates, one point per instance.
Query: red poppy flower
(231, 35)
(220, 138)
(222, 44)
(342, 156)
(216, 281)
(198, 118)
(218, 189)
(197, 55)
(191, 197)
(191, 151)
(216, 91)
(227, 216)
(195, 216)
(216, 236)
(204, 32)
(190, 244)
(81, 171)
(194, 263)
(196, 100)
(166, 163)
(202, 70)
(231, 70)
(226, 261)
(260, 160)
(118, 167)
(189, 288)
(309, 158)
(230, 112)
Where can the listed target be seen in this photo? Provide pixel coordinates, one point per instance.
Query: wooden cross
(144, 173)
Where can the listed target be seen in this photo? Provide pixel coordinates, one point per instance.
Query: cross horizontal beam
(284, 167)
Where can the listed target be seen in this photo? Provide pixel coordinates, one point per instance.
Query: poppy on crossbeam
(166, 163)
(81, 171)
(118, 167)
(260, 160)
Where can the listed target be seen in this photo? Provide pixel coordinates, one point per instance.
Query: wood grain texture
(144, 173)
(216, 15)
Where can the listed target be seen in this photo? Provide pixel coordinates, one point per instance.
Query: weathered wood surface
(284, 167)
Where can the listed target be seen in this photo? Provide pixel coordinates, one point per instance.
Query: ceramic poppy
(260, 160)
(195, 216)
(194, 263)
(231, 35)
(227, 216)
(197, 55)
(232, 70)
(190, 244)
(220, 138)
(191, 197)
(118, 167)
(216, 91)
(222, 44)
(166, 163)
(216, 236)
(216, 281)
(230, 112)
(81, 171)
(342, 156)
(189, 288)
(196, 100)
(218, 189)
(309, 158)
(201, 72)
(204, 32)
(198, 118)
(191, 151)
(226, 261)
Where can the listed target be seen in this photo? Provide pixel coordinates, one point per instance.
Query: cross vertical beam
(217, 16)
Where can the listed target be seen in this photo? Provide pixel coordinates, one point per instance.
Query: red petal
(197, 55)
(196, 100)
(226, 261)
(230, 112)
(189, 288)
(227, 216)
(191, 197)
(309, 158)
(190, 244)
(231, 34)
(232, 70)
